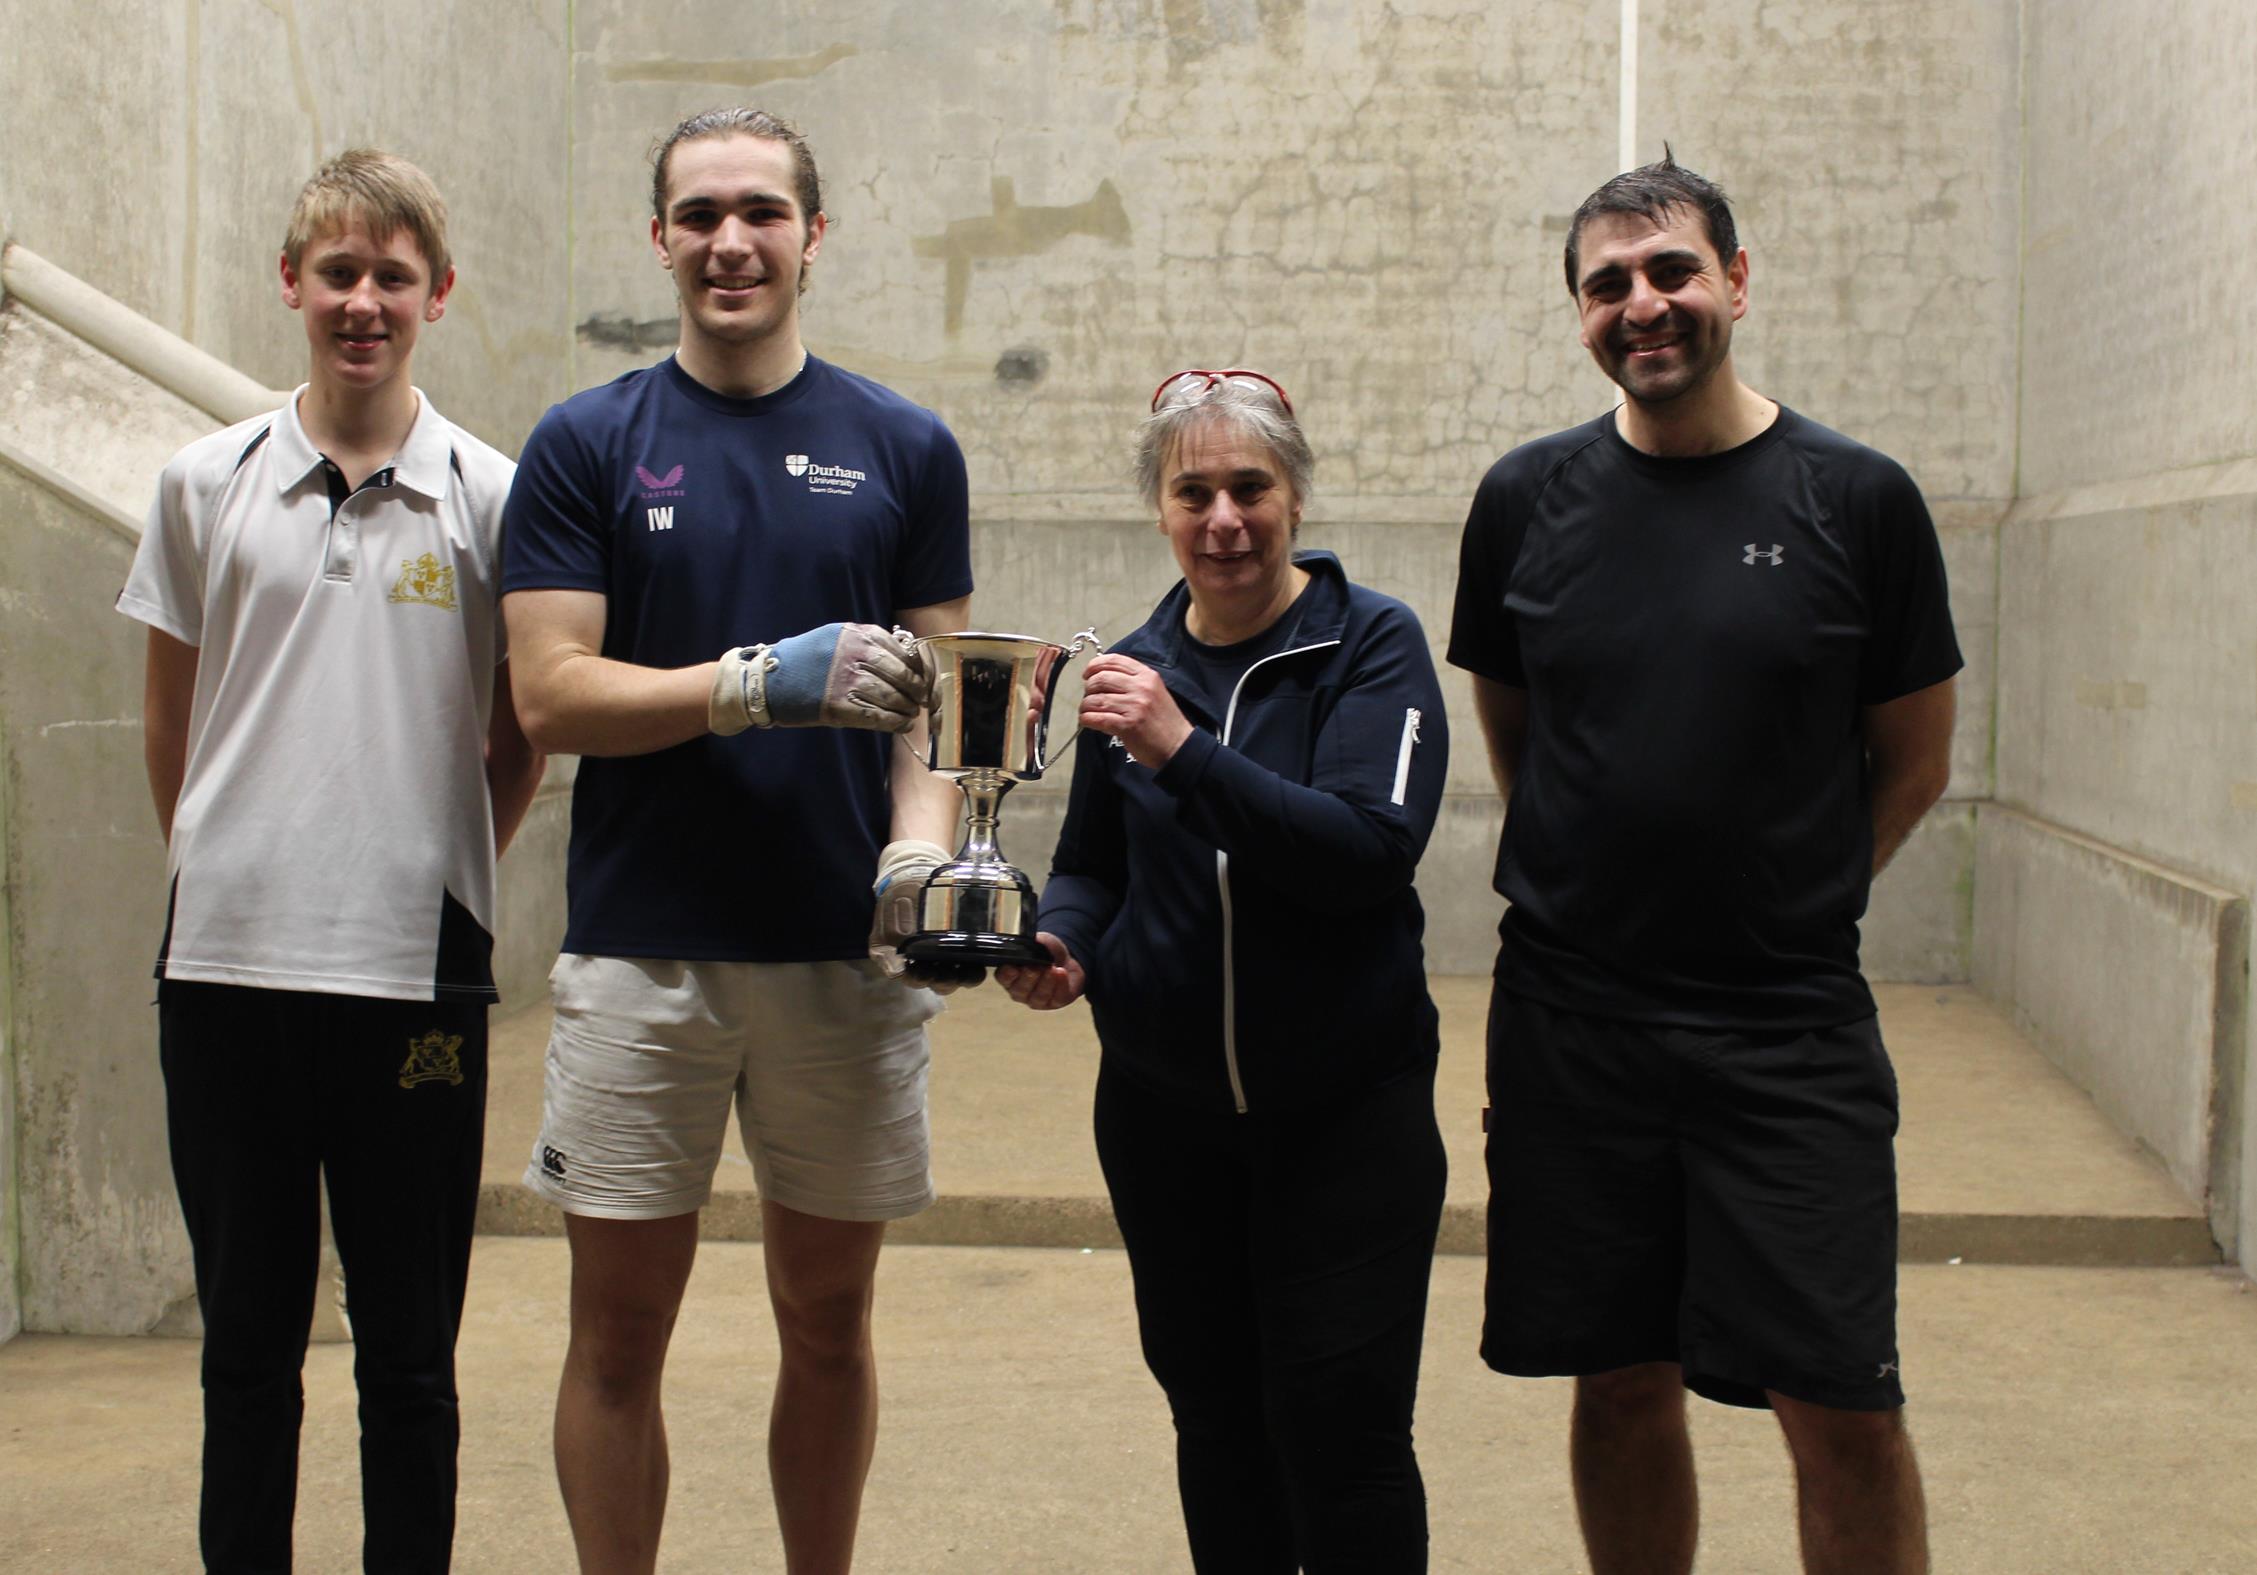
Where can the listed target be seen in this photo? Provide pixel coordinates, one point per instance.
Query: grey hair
(1253, 409)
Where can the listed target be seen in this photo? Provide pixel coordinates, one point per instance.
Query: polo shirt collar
(423, 464)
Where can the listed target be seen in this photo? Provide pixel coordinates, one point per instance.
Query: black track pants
(267, 1094)
(1281, 1262)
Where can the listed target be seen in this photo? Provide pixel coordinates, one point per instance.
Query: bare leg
(1857, 1490)
(1633, 1465)
(824, 1426)
(627, 1283)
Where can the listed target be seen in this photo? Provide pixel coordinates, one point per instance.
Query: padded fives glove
(841, 675)
(846, 675)
(903, 869)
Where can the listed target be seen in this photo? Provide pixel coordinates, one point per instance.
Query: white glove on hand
(841, 675)
(903, 869)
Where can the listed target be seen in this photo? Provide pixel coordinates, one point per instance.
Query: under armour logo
(1775, 556)
(552, 1162)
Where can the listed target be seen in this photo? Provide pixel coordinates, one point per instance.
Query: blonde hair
(380, 190)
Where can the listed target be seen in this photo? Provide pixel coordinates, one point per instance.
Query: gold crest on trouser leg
(436, 1057)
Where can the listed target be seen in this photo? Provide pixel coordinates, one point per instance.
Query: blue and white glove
(903, 869)
(841, 675)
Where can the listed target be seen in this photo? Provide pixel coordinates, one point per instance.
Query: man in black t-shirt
(1713, 660)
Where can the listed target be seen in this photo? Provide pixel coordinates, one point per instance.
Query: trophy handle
(1088, 637)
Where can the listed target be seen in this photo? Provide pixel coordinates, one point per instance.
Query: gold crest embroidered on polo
(435, 1058)
(425, 580)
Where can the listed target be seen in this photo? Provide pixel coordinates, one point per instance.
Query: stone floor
(2003, 1159)
(2084, 1387)
(2070, 1422)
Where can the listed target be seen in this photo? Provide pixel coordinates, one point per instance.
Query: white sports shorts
(825, 1061)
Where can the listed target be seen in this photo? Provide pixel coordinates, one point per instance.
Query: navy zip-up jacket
(1245, 913)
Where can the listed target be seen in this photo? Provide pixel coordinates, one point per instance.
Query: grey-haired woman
(1232, 890)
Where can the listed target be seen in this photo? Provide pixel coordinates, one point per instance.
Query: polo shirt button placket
(342, 548)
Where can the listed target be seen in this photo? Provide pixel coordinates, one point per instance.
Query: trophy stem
(983, 798)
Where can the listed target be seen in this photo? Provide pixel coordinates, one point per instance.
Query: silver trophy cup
(990, 724)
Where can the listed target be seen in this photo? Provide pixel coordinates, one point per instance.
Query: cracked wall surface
(154, 151)
(1352, 197)
(1871, 156)
(1040, 206)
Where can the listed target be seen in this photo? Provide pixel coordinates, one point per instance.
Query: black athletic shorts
(1721, 1199)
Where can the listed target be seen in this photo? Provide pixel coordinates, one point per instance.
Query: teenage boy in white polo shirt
(336, 764)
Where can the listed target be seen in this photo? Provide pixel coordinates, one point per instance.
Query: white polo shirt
(334, 831)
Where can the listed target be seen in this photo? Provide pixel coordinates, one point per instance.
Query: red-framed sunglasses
(1213, 378)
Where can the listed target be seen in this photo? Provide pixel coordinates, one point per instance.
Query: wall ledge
(2230, 478)
(2132, 977)
(43, 475)
(2152, 868)
(118, 331)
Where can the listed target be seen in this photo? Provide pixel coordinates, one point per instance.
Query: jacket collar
(1316, 617)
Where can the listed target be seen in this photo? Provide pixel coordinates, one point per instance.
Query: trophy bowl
(988, 728)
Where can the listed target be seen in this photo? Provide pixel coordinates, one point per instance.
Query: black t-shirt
(1690, 836)
(1216, 669)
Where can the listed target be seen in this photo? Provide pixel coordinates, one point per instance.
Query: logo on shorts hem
(552, 1162)
(435, 1058)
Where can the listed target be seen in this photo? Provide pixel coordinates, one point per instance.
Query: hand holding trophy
(989, 716)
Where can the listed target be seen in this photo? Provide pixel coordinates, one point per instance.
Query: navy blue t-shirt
(1690, 837)
(712, 522)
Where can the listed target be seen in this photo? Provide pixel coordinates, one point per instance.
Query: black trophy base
(975, 948)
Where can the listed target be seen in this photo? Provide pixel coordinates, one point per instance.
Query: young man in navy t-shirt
(706, 562)
(1713, 659)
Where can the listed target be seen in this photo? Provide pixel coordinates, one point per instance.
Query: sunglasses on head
(1212, 378)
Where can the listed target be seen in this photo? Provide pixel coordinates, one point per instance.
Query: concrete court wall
(98, 1244)
(153, 151)
(89, 1234)
(1041, 206)
(1872, 158)
(153, 147)
(2127, 688)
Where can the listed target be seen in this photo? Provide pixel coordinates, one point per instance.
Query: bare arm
(573, 700)
(168, 691)
(926, 807)
(513, 765)
(1504, 728)
(1908, 762)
